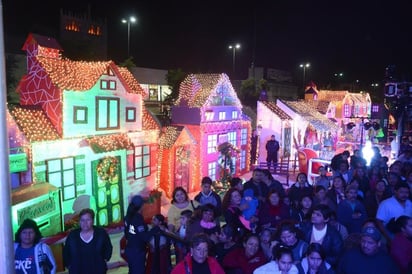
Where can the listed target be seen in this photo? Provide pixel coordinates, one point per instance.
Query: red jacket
(401, 252)
(236, 259)
(214, 266)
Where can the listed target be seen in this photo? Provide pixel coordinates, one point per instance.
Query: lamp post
(234, 48)
(129, 21)
(304, 67)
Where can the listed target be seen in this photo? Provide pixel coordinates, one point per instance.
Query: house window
(61, 173)
(234, 114)
(243, 136)
(130, 114)
(108, 84)
(356, 110)
(211, 170)
(209, 115)
(107, 113)
(243, 159)
(231, 137)
(141, 161)
(346, 111)
(222, 115)
(79, 115)
(375, 108)
(211, 143)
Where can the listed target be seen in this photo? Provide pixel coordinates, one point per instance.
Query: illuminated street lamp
(234, 48)
(129, 21)
(304, 67)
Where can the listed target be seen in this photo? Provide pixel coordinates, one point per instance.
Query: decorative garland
(107, 168)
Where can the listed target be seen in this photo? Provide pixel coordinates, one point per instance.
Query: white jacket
(38, 250)
(273, 268)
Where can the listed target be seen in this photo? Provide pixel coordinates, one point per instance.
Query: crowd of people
(353, 219)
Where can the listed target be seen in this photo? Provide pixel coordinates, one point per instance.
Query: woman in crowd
(297, 189)
(302, 213)
(401, 245)
(273, 210)
(88, 248)
(232, 211)
(287, 235)
(314, 261)
(321, 198)
(374, 197)
(198, 260)
(227, 241)
(206, 223)
(137, 236)
(337, 192)
(246, 259)
(180, 202)
(266, 242)
(30, 255)
(281, 264)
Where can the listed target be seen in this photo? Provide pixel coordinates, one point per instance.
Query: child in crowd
(158, 224)
(249, 205)
(180, 247)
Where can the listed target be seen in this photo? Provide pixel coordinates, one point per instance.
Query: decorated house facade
(211, 132)
(86, 138)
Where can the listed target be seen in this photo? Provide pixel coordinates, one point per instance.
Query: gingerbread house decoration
(209, 108)
(85, 132)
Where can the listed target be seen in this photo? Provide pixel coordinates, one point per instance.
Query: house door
(107, 190)
(182, 171)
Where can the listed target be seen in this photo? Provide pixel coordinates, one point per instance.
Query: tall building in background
(83, 37)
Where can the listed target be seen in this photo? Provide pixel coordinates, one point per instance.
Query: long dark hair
(29, 223)
(228, 197)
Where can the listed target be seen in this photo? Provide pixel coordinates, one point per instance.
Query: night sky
(359, 39)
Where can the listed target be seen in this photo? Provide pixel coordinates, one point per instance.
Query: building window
(346, 110)
(243, 159)
(234, 114)
(79, 115)
(243, 136)
(108, 84)
(130, 114)
(211, 143)
(375, 108)
(107, 113)
(209, 115)
(61, 173)
(222, 115)
(231, 137)
(211, 170)
(142, 161)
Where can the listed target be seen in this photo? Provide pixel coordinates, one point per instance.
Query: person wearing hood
(137, 236)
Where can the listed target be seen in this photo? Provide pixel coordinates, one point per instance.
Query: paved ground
(118, 266)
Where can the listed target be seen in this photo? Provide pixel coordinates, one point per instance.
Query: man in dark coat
(272, 148)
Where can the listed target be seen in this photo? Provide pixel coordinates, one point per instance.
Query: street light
(304, 67)
(131, 19)
(234, 48)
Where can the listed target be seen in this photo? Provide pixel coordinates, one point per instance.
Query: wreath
(107, 168)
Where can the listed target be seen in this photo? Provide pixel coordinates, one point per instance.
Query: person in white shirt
(281, 264)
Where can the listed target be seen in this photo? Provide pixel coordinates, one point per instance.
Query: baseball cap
(371, 232)
(137, 201)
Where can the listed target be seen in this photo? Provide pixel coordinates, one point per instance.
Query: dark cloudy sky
(359, 38)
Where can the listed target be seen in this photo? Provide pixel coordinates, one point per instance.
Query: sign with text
(18, 162)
